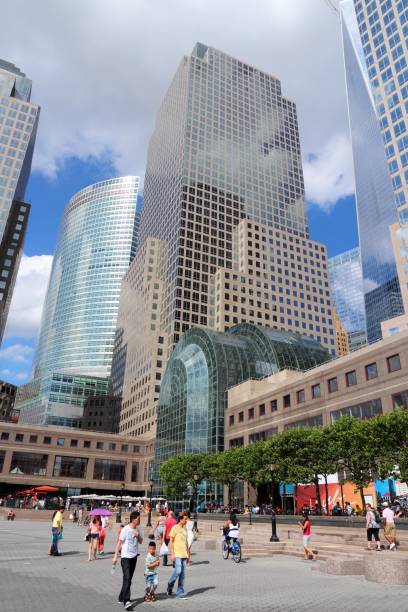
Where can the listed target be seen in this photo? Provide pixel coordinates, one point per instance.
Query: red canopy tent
(44, 489)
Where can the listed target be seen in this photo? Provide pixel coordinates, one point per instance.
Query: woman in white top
(190, 531)
(231, 528)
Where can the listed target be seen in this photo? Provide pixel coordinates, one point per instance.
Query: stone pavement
(30, 580)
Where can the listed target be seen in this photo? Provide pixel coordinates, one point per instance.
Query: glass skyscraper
(346, 280)
(97, 242)
(225, 148)
(383, 29)
(375, 199)
(18, 129)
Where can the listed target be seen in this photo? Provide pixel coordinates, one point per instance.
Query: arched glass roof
(203, 365)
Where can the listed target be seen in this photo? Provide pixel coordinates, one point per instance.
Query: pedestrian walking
(168, 526)
(373, 527)
(390, 534)
(151, 576)
(191, 536)
(306, 528)
(180, 556)
(93, 537)
(56, 531)
(159, 528)
(128, 544)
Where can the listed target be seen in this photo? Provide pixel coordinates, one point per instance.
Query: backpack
(377, 517)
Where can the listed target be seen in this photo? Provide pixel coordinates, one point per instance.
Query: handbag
(164, 549)
(87, 538)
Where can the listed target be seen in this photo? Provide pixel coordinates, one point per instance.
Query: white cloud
(329, 173)
(28, 297)
(18, 353)
(21, 376)
(99, 70)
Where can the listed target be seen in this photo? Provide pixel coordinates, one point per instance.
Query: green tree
(356, 450)
(289, 453)
(226, 467)
(322, 459)
(183, 473)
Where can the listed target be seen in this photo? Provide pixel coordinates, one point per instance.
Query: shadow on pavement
(194, 563)
(69, 553)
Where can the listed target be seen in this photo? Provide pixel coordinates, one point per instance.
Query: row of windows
(100, 445)
(71, 467)
(371, 372)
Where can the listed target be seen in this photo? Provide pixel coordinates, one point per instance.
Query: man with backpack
(373, 521)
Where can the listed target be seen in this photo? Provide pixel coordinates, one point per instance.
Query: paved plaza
(31, 580)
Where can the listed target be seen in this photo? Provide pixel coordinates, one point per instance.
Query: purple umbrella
(100, 512)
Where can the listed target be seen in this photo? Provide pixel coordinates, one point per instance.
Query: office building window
(60, 441)
(29, 463)
(251, 413)
(351, 378)
(72, 467)
(4, 435)
(393, 363)
(74, 443)
(332, 385)
(125, 448)
(316, 391)
(135, 471)
(231, 419)
(33, 439)
(47, 440)
(365, 410)
(236, 443)
(19, 437)
(400, 400)
(301, 397)
(109, 469)
(315, 421)
(2, 455)
(87, 444)
(371, 371)
(99, 445)
(274, 405)
(286, 401)
(262, 410)
(240, 417)
(259, 436)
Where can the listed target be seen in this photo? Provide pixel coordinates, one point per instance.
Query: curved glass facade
(203, 365)
(97, 242)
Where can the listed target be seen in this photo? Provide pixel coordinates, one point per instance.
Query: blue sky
(99, 98)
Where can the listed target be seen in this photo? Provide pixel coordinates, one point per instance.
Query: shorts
(151, 580)
(373, 531)
(389, 529)
(306, 539)
(94, 536)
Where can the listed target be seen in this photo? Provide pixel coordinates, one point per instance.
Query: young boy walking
(151, 577)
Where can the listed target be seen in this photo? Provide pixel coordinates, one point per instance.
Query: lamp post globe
(274, 537)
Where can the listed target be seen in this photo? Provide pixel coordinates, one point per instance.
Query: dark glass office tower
(18, 129)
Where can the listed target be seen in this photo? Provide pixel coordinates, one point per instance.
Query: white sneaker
(128, 605)
(392, 546)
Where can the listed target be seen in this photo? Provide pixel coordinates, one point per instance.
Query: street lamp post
(274, 537)
(196, 481)
(119, 514)
(149, 518)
